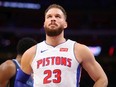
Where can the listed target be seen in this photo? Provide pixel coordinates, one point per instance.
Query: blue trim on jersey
(17, 63)
(78, 75)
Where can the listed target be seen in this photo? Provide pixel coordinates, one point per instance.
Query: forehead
(54, 11)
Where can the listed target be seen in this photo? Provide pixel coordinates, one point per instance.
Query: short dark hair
(24, 44)
(59, 7)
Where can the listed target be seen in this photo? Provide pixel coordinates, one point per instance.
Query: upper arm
(89, 63)
(7, 70)
(27, 59)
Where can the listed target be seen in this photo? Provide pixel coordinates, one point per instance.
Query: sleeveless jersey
(29, 83)
(56, 66)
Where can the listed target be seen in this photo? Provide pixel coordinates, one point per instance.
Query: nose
(53, 19)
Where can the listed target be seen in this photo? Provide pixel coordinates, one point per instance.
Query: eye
(58, 16)
(49, 16)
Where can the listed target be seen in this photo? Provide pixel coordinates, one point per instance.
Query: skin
(7, 71)
(55, 19)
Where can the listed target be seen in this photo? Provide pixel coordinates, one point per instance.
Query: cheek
(64, 25)
(45, 23)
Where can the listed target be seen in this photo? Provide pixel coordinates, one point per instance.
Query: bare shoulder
(81, 47)
(7, 68)
(82, 52)
(29, 54)
(8, 64)
(27, 60)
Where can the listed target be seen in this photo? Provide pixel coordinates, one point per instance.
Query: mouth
(52, 24)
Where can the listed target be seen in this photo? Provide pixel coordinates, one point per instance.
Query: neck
(54, 41)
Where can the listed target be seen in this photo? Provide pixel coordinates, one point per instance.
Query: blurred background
(90, 22)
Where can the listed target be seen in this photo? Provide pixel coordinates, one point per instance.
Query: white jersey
(56, 66)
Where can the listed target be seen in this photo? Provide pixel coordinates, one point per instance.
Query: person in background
(57, 61)
(9, 68)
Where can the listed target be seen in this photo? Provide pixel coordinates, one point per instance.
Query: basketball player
(57, 61)
(9, 68)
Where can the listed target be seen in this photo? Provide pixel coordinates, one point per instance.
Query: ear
(65, 25)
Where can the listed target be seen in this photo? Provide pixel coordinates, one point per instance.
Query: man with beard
(57, 62)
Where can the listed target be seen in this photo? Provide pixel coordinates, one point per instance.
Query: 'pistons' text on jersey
(54, 61)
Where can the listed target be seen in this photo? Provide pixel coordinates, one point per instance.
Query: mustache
(52, 23)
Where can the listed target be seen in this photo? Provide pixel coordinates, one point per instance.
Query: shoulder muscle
(7, 70)
(27, 59)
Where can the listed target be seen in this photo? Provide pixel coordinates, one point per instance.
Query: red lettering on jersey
(63, 61)
(69, 62)
(57, 60)
(47, 61)
(43, 64)
(63, 49)
(39, 62)
(52, 60)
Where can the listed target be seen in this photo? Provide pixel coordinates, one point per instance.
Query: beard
(53, 32)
